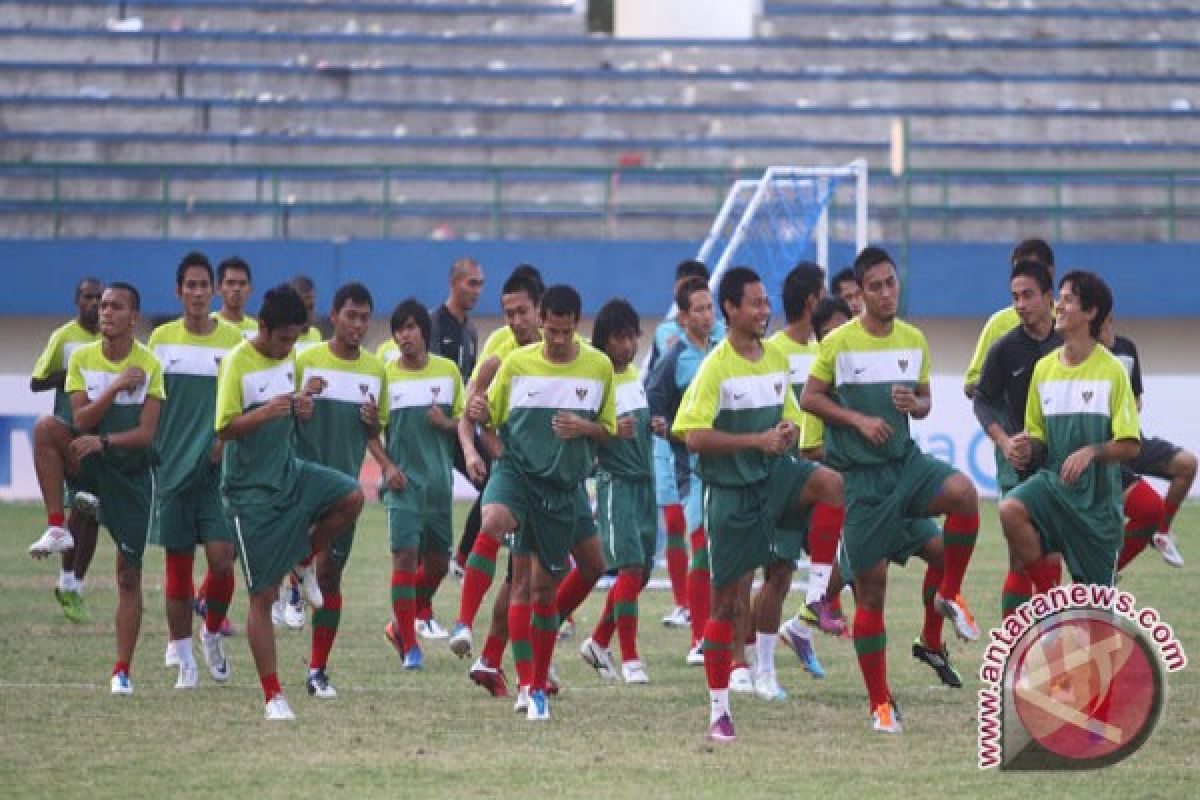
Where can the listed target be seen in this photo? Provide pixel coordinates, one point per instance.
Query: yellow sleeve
(155, 387)
(699, 406)
(923, 378)
(498, 394)
(824, 368)
(608, 407)
(460, 400)
(74, 382)
(229, 394)
(791, 408)
(1123, 408)
(1035, 423)
(384, 395)
(987, 337)
(51, 358)
(812, 434)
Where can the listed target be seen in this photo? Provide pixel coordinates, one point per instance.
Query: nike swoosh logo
(739, 396)
(1017, 373)
(263, 388)
(860, 370)
(174, 361)
(534, 394)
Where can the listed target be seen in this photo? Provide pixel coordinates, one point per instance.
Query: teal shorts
(273, 537)
(191, 514)
(628, 529)
(741, 520)
(547, 516)
(881, 500)
(426, 531)
(127, 501)
(1089, 539)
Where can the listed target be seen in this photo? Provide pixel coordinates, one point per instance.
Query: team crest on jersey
(903, 364)
(217, 360)
(291, 377)
(581, 392)
(435, 391)
(364, 388)
(1087, 395)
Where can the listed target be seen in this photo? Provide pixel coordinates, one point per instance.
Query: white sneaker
(430, 629)
(750, 656)
(308, 582)
(214, 656)
(634, 672)
(1166, 546)
(598, 658)
(56, 539)
(189, 676)
(277, 709)
(741, 681)
(679, 618)
(279, 607)
(293, 615)
(170, 658)
(695, 656)
(318, 685)
(539, 707)
(767, 687)
(120, 684)
(522, 703)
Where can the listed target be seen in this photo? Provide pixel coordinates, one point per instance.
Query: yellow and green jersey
(64, 341)
(388, 352)
(1073, 407)
(309, 338)
(91, 372)
(335, 436)
(260, 465)
(997, 325)
(630, 458)
(734, 395)
(190, 362)
(424, 453)
(247, 326)
(862, 369)
(500, 343)
(529, 390)
(800, 360)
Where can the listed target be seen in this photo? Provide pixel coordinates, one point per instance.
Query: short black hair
(532, 274)
(1036, 270)
(733, 286)
(84, 282)
(1033, 250)
(302, 283)
(870, 257)
(827, 307)
(282, 306)
(843, 275)
(412, 308)
(233, 262)
(134, 295)
(353, 292)
(804, 281)
(561, 300)
(614, 317)
(192, 259)
(522, 283)
(1092, 292)
(691, 268)
(683, 295)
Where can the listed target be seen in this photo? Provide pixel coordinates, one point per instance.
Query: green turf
(434, 734)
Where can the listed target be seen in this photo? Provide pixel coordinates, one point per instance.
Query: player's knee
(129, 579)
(220, 561)
(962, 492)
(1184, 465)
(50, 431)
(1012, 514)
(352, 503)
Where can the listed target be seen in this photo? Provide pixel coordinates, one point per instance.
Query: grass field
(434, 734)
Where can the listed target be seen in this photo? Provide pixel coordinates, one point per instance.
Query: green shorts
(419, 530)
(789, 544)
(741, 520)
(1006, 476)
(191, 514)
(127, 501)
(628, 521)
(547, 516)
(1089, 539)
(881, 500)
(273, 537)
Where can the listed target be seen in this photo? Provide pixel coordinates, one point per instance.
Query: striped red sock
(218, 594)
(325, 621)
(699, 585)
(958, 537)
(718, 653)
(493, 650)
(481, 568)
(606, 625)
(824, 531)
(625, 611)
(1018, 588)
(571, 593)
(1146, 513)
(1169, 511)
(931, 632)
(177, 582)
(1045, 573)
(543, 633)
(676, 551)
(870, 643)
(519, 619)
(404, 606)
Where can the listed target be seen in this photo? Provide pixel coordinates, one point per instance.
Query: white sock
(764, 644)
(78, 583)
(183, 649)
(718, 704)
(66, 580)
(750, 655)
(818, 582)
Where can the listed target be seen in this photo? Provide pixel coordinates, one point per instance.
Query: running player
(189, 503)
(425, 401)
(1080, 421)
(74, 540)
(739, 416)
(233, 284)
(116, 391)
(271, 497)
(346, 383)
(870, 377)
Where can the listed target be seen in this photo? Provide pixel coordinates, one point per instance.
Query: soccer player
(1080, 421)
(312, 333)
(425, 401)
(272, 498)
(346, 383)
(233, 284)
(1158, 457)
(846, 288)
(74, 540)
(552, 403)
(624, 497)
(189, 503)
(871, 375)
(116, 391)
(740, 418)
(665, 386)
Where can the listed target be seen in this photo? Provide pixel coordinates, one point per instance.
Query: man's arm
(88, 413)
(246, 423)
(133, 439)
(816, 400)
(710, 442)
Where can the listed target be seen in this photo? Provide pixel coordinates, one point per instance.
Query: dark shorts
(628, 524)
(1154, 457)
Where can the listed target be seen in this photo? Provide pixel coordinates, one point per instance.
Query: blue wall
(945, 280)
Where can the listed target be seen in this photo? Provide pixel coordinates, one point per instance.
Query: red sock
(870, 643)
(1146, 513)
(958, 539)
(835, 604)
(676, 552)
(177, 584)
(718, 653)
(325, 622)
(493, 650)
(404, 607)
(1169, 511)
(699, 585)
(481, 567)
(57, 518)
(270, 686)
(606, 625)
(121, 666)
(543, 633)
(931, 632)
(625, 612)
(571, 593)
(824, 531)
(424, 607)
(218, 594)
(519, 619)
(1018, 588)
(1045, 573)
